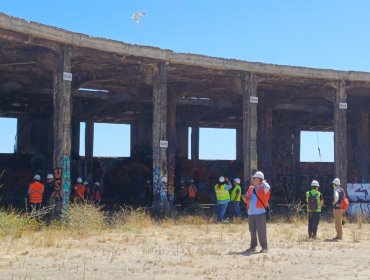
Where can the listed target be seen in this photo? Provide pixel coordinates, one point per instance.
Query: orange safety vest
(261, 194)
(35, 192)
(79, 191)
(191, 191)
(97, 195)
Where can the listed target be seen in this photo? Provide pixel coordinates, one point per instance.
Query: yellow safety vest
(233, 193)
(222, 193)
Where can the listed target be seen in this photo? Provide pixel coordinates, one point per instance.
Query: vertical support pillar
(363, 145)
(75, 152)
(172, 139)
(340, 135)
(265, 143)
(62, 119)
(89, 148)
(160, 172)
(239, 143)
(194, 149)
(182, 142)
(249, 126)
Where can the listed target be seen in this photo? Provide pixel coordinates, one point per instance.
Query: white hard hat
(315, 183)
(79, 180)
(50, 176)
(97, 183)
(86, 183)
(221, 179)
(237, 180)
(336, 181)
(164, 179)
(259, 174)
(37, 177)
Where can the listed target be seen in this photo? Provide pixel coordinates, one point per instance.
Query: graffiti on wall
(359, 192)
(58, 173)
(67, 180)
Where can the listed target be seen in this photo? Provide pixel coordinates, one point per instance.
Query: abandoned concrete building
(52, 80)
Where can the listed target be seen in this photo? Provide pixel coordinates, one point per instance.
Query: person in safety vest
(337, 212)
(192, 191)
(97, 193)
(35, 193)
(222, 196)
(79, 191)
(314, 201)
(235, 195)
(257, 199)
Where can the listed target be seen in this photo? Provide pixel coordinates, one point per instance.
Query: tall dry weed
(128, 218)
(85, 217)
(13, 223)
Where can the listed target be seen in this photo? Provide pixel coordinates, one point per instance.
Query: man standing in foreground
(337, 212)
(257, 199)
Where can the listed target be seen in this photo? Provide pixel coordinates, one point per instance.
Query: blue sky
(331, 34)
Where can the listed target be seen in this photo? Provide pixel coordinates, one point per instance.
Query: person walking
(257, 199)
(314, 203)
(337, 212)
(223, 197)
(235, 196)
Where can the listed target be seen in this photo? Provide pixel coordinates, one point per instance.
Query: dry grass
(13, 223)
(133, 245)
(85, 217)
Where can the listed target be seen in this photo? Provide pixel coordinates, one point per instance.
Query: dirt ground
(204, 251)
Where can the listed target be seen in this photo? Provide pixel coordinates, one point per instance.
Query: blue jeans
(235, 209)
(221, 210)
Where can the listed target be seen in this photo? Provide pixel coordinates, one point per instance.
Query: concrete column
(89, 148)
(172, 135)
(362, 147)
(340, 135)
(160, 134)
(249, 126)
(62, 105)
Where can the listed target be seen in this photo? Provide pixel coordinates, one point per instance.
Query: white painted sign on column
(342, 105)
(253, 99)
(67, 76)
(163, 144)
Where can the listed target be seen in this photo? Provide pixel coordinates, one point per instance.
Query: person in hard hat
(337, 212)
(223, 197)
(35, 193)
(192, 191)
(88, 190)
(314, 201)
(235, 195)
(49, 188)
(97, 193)
(257, 199)
(79, 191)
(149, 193)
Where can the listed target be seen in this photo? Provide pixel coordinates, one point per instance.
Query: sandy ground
(206, 251)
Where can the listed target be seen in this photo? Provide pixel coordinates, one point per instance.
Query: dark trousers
(313, 223)
(257, 225)
(235, 208)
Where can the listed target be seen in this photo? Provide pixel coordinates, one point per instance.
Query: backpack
(313, 203)
(344, 204)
